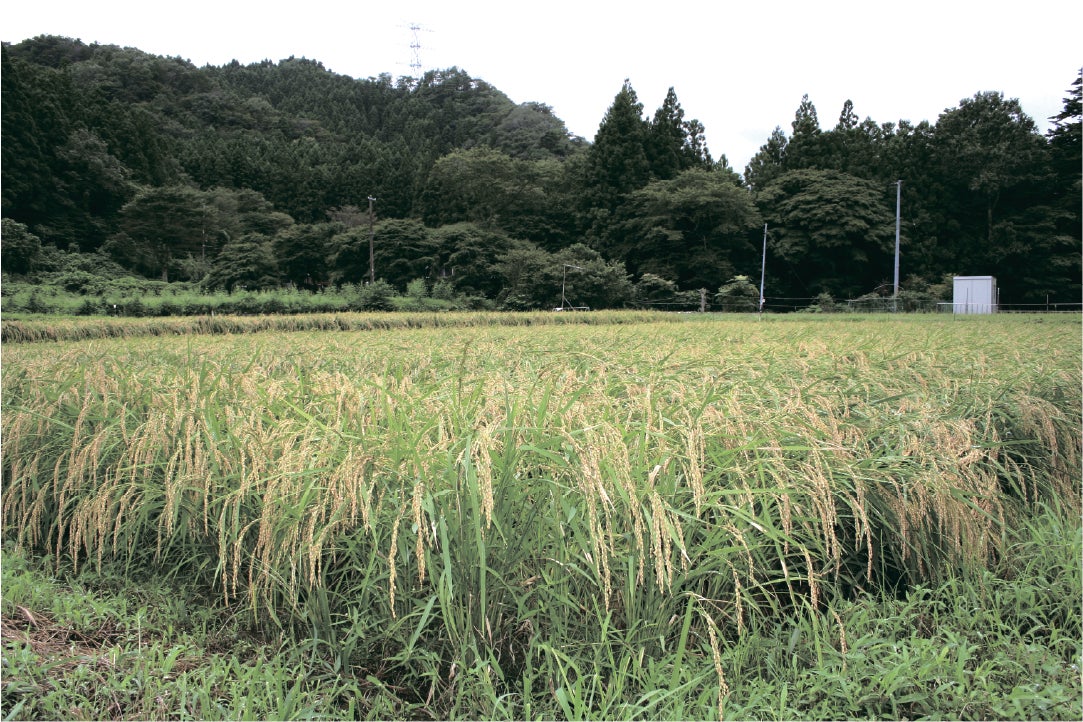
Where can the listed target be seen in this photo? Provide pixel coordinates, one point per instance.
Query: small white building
(975, 294)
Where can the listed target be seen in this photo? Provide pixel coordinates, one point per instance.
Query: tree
(695, 147)
(1065, 146)
(248, 263)
(595, 282)
(987, 147)
(158, 225)
(478, 185)
(667, 138)
(35, 111)
(694, 228)
(651, 290)
(19, 248)
(239, 211)
(350, 216)
(303, 252)
(833, 232)
(847, 118)
(907, 152)
(530, 281)
(1066, 135)
(674, 143)
(467, 256)
(490, 189)
(851, 146)
(996, 170)
(738, 295)
(617, 162)
(805, 148)
(768, 163)
(403, 249)
(530, 131)
(95, 183)
(535, 279)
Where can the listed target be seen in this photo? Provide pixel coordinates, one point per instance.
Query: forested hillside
(117, 162)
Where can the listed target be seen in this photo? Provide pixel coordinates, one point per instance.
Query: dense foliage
(281, 174)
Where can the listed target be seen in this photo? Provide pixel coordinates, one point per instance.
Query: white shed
(975, 294)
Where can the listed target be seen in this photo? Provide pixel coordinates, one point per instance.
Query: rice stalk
(793, 467)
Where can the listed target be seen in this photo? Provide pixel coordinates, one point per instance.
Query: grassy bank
(803, 518)
(53, 328)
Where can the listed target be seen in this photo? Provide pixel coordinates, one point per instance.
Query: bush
(443, 289)
(79, 282)
(273, 304)
(653, 289)
(89, 307)
(825, 303)
(34, 304)
(135, 308)
(377, 296)
(739, 295)
(199, 306)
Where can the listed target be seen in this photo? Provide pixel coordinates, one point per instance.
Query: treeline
(285, 175)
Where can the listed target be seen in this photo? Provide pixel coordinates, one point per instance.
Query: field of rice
(576, 521)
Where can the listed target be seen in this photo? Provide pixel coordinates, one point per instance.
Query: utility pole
(763, 269)
(563, 283)
(898, 208)
(372, 236)
(203, 231)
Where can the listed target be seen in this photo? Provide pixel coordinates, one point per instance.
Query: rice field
(578, 521)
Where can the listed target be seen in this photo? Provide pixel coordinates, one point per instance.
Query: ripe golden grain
(273, 461)
(738, 598)
(716, 655)
(419, 549)
(483, 468)
(696, 459)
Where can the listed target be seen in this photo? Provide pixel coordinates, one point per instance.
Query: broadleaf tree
(830, 232)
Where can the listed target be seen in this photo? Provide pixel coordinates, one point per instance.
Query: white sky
(740, 67)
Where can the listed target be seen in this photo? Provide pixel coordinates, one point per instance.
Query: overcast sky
(739, 67)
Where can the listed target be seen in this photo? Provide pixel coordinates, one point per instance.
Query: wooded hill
(259, 176)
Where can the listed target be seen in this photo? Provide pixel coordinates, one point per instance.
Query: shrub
(89, 307)
(34, 304)
(267, 304)
(443, 289)
(135, 308)
(377, 296)
(824, 303)
(738, 295)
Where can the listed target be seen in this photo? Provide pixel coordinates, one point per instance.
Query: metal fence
(978, 308)
(884, 304)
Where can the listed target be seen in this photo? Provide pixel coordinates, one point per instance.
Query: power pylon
(415, 48)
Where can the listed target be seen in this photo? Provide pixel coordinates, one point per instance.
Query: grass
(125, 296)
(603, 521)
(104, 646)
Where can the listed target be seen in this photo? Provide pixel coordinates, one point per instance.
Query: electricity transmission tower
(415, 48)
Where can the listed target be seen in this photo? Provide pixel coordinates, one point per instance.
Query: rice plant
(82, 329)
(573, 520)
